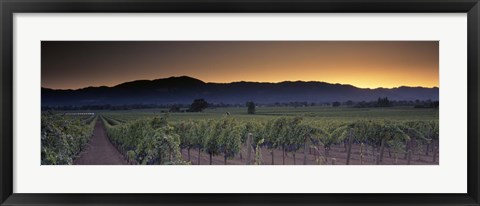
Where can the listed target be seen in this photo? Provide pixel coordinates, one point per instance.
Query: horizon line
(246, 81)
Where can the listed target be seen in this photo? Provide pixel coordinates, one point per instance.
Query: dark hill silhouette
(184, 90)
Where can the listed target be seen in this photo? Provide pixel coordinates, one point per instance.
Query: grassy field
(309, 113)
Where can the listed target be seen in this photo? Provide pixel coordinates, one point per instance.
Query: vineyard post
(382, 149)
(294, 162)
(188, 151)
(249, 148)
(258, 155)
(334, 160)
(435, 154)
(361, 153)
(395, 157)
(273, 162)
(407, 147)
(283, 154)
(305, 146)
(317, 157)
(350, 140)
(198, 155)
(409, 156)
(413, 144)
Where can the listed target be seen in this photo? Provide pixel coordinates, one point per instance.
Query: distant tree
(251, 107)
(198, 105)
(335, 104)
(174, 108)
(349, 103)
(383, 102)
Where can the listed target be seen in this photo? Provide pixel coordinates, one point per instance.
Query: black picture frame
(9, 7)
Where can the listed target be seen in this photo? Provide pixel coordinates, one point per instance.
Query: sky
(364, 64)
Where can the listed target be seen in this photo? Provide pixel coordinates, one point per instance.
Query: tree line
(198, 105)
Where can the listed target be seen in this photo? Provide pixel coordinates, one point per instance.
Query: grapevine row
(145, 141)
(226, 136)
(63, 138)
(155, 141)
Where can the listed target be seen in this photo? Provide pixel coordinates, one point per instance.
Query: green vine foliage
(63, 138)
(147, 141)
(158, 141)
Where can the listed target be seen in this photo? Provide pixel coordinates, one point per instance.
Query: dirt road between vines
(100, 151)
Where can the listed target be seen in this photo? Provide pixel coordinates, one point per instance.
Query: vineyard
(272, 140)
(64, 137)
(155, 141)
(145, 141)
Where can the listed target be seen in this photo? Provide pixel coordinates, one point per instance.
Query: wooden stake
(249, 148)
(258, 156)
(409, 156)
(305, 151)
(407, 147)
(198, 156)
(273, 162)
(382, 149)
(361, 153)
(294, 162)
(350, 140)
(396, 159)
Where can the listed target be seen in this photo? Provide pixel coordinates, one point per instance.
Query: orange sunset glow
(364, 64)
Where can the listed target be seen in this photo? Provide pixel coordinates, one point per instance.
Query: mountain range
(184, 89)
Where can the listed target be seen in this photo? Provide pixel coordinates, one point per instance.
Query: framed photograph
(239, 102)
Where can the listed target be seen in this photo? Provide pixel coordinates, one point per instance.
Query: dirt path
(100, 151)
